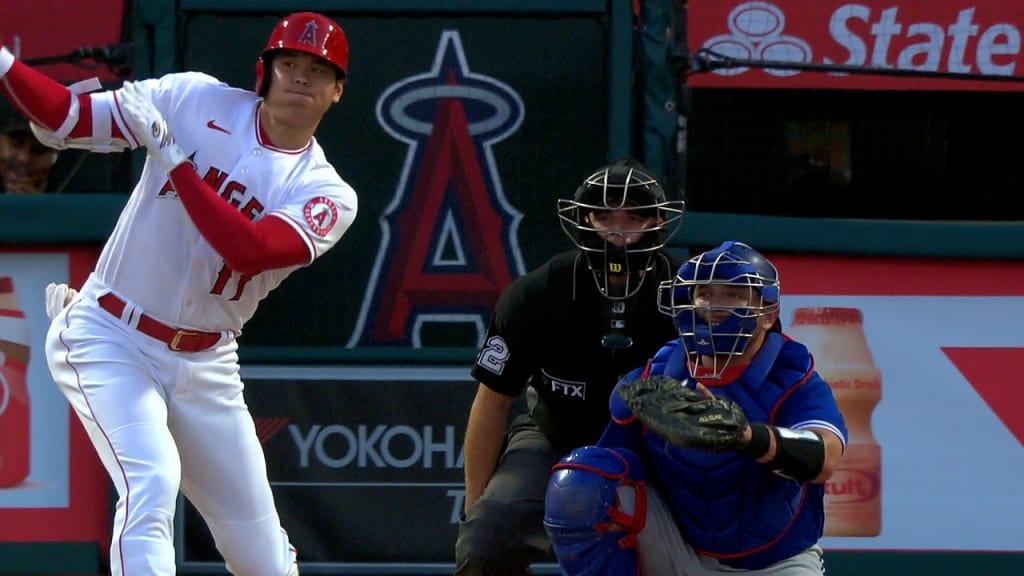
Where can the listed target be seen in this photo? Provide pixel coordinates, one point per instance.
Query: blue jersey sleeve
(812, 405)
(629, 435)
(623, 430)
(616, 405)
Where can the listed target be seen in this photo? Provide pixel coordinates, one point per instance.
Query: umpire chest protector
(575, 373)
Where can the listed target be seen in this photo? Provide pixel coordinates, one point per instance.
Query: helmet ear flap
(264, 69)
(260, 71)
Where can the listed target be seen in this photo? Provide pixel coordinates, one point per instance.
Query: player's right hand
(149, 126)
(57, 297)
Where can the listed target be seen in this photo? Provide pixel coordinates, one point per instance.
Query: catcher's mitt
(685, 417)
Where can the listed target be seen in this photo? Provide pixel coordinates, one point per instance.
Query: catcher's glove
(685, 417)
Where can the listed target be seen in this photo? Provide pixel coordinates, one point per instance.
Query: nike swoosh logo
(212, 125)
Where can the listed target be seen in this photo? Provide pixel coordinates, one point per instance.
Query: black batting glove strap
(760, 442)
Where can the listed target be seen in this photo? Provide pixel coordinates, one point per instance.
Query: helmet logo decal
(615, 267)
(448, 243)
(309, 34)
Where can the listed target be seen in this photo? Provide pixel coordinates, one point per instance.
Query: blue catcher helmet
(625, 185)
(720, 327)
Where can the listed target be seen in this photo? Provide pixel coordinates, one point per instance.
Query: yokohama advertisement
(365, 462)
(944, 36)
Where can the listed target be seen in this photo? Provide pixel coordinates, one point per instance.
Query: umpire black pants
(503, 531)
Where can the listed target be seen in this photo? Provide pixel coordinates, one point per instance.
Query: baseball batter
(235, 195)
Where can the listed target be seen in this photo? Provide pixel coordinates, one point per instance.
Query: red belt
(176, 339)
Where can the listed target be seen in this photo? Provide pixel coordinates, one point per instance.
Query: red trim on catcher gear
(647, 369)
(775, 409)
(247, 247)
(624, 421)
(796, 513)
(177, 339)
(633, 524)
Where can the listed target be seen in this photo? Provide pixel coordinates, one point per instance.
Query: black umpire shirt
(546, 332)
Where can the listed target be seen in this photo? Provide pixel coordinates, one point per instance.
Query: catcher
(717, 453)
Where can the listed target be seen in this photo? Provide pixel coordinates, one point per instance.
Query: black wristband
(760, 442)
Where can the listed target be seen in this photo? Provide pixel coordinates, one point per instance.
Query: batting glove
(150, 127)
(57, 297)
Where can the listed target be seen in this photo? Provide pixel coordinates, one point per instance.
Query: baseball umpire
(235, 195)
(716, 456)
(565, 331)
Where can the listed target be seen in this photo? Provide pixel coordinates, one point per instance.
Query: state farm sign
(933, 36)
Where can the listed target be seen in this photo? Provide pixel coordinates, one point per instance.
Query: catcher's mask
(307, 32)
(625, 186)
(720, 331)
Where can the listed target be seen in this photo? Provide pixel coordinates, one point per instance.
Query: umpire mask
(603, 220)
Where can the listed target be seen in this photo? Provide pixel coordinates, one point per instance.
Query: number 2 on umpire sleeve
(494, 355)
(224, 276)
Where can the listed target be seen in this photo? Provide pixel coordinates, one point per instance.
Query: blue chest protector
(725, 504)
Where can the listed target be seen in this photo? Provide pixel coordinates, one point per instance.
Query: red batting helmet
(306, 32)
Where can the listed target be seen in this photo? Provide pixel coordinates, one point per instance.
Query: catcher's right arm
(684, 416)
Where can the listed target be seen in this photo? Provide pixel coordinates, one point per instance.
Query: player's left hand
(149, 126)
(684, 416)
(57, 297)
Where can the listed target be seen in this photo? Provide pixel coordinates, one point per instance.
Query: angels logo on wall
(448, 243)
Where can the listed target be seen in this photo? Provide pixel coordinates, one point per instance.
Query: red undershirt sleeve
(247, 247)
(45, 101)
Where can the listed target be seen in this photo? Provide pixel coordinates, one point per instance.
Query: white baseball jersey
(157, 259)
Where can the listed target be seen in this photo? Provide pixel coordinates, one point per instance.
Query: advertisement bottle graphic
(14, 408)
(835, 336)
